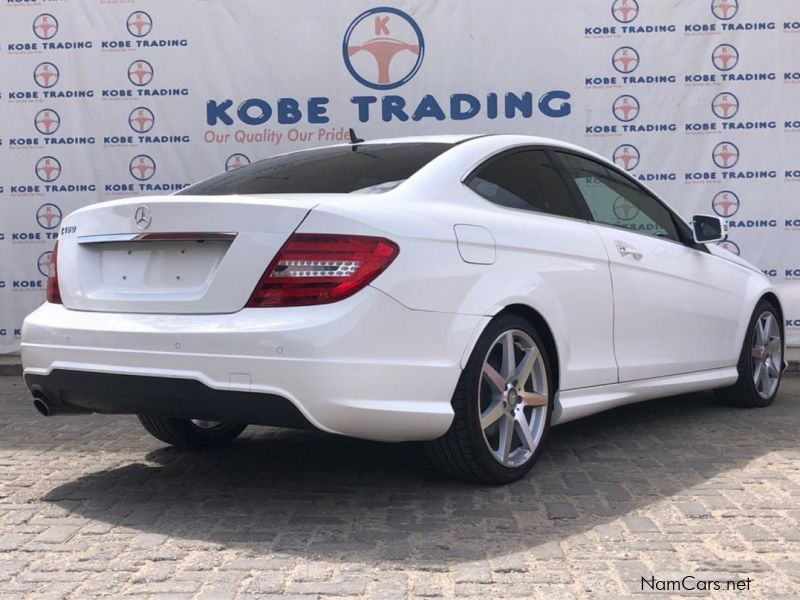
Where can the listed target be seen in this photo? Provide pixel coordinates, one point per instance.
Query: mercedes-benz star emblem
(142, 217)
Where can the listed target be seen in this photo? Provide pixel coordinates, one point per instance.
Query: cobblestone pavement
(92, 506)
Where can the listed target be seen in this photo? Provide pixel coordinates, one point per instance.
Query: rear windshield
(366, 168)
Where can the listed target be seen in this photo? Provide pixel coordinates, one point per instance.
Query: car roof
(495, 140)
(488, 142)
(421, 139)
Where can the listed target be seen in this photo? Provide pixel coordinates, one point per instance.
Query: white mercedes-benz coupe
(464, 291)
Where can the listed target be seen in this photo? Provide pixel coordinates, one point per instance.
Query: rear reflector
(53, 293)
(317, 268)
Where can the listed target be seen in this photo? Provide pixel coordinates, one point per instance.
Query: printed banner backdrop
(102, 99)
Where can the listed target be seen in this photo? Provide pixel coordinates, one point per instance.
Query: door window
(614, 200)
(527, 180)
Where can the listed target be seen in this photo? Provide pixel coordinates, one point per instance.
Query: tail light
(53, 293)
(315, 268)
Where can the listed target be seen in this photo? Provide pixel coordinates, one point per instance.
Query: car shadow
(326, 497)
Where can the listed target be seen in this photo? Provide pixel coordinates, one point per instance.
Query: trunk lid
(173, 254)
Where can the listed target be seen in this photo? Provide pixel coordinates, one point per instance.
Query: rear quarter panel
(542, 262)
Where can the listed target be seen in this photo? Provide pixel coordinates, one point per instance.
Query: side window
(527, 180)
(614, 200)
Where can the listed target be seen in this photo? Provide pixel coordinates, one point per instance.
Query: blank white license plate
(152, 266)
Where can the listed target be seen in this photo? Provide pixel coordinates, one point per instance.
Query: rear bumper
(366, 366)
(163, 397)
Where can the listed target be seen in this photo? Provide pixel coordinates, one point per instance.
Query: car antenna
(354, 139)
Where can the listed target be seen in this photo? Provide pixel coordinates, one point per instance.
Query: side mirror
(709, 229)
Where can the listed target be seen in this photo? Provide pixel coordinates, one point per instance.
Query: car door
(676, 306)
(551, 253)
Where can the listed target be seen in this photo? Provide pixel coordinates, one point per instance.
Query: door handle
(628, 251)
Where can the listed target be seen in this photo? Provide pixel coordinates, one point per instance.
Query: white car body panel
(223, 279)
(555, 267)
(688, 300)
(383, 364)
(575, 404)
(365, 366)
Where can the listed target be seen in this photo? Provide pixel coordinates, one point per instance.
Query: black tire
(744, 392)
(462, 453)
(183, 433)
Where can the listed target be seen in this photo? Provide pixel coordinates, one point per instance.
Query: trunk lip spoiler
(169, 236)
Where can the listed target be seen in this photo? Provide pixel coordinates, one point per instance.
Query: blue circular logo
(47, 121)
(725, 105)
(141, 119)
(140, 73)
(48, 169)
(139, 23)
(383, 48)
(236, 161)
(731, 247)
(725, 203)
(626, 108)
(725, 57)
(626, 156)
(725, 155)
(44, 263)
(724, 9)
(48, 216)
(142, 167)
(625, 59)
(46, 75)
(45, 26)
(625, 11)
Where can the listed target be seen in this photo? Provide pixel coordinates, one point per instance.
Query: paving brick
(265, 563)
(561, 510)
(12, 541)
(56, 534)
(92, 507)
(147, 541)
(639, 524)
(267, 583)
(755, 533)
(219, 590)
(388, 586)
(547, 551)
(347, 587)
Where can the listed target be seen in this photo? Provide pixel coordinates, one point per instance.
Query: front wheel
(502, 405)
(761, 361)
(190, 432)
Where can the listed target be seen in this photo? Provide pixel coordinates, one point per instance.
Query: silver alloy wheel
(767, 354)
(513, 398)
(199, 423)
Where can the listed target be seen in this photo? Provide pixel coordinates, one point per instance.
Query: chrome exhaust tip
(41, 405)
(47, 408)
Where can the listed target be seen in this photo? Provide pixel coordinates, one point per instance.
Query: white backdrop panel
(102, 99)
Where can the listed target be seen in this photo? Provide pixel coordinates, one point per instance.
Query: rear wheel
(761, 361)
(502, 405)
(190, 432)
